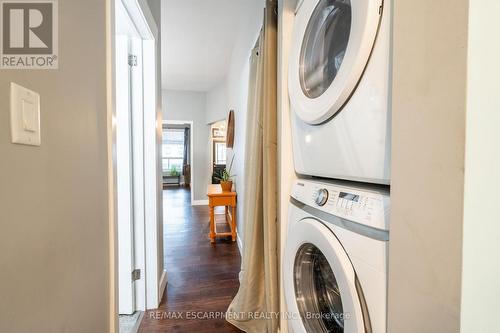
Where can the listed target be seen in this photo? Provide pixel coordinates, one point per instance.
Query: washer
(339, 88)
(335, 258)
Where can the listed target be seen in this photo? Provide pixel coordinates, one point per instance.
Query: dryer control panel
(365, 206)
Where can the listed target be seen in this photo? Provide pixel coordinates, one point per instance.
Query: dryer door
(332, 42)
(320, 283)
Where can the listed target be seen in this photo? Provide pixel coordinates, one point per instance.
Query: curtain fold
(255, 308)
(186, 146)
(186, 167)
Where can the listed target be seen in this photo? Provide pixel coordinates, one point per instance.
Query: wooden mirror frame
(230, 130)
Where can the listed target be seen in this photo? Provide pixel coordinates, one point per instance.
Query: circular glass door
(319, 281)
(324, 46)
(331, 46)
(317, 292)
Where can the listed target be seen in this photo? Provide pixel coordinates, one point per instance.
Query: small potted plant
(226, 178)
(174, 172)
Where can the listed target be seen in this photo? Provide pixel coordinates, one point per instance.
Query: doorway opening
(219, 150)
(177, 156)
(135, 182)
(206, 51)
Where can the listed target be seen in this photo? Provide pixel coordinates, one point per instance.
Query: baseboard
(137, 324)
(240, 244)
(163, 285)
(199, 203)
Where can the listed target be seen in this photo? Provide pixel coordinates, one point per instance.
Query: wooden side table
(216, 197)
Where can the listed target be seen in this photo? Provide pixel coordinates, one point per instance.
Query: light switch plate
(24, 115)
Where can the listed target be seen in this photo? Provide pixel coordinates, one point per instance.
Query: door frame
(142, 17)
(191, 148)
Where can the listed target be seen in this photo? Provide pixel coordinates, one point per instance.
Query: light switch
(29, 117)
(24, 115)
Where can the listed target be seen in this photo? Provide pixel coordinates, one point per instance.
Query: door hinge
(136, 275)
(132, 60)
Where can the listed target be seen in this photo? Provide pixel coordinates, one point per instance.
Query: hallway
(202, 278)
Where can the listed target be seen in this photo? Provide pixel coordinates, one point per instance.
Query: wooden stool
(216, 197)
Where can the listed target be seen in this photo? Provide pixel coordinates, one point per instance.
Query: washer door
(320, 282)
(332, 42)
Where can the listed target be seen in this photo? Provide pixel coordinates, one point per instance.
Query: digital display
(349, 196)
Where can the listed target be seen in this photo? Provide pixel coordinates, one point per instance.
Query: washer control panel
(366, 206)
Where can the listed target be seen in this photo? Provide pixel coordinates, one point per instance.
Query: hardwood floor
(202, 278)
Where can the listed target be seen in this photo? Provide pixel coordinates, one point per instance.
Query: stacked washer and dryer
(335, 259)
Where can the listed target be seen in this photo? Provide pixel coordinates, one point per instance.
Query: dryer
(335, 258)
(339, 88)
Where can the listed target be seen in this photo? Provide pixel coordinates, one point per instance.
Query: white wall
(428, 152)
(217, 103)
(481, 246)
(191, 106)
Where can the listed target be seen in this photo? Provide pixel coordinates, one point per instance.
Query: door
(320, 283)
(124, 182)
(332, 42)
(136, 159)
(130, 174)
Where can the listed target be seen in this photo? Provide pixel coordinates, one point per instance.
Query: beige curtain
(255, 308)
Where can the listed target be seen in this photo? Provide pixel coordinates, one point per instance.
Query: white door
(138, 186)
(319, 282)
(124, 182)
(130, 174)
(137, 118)
(332, 42)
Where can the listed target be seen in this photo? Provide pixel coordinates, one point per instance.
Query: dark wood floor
(202, 278)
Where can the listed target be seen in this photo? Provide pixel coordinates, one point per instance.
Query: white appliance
(339, 87)
(335, 258)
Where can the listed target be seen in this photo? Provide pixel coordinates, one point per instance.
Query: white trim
(125, 180)
(199, 203)
(191, 149)
(139, 12)
(143, 19)
(111, 137)
(152, 175)
(240, 243)
(163, 284)
(137, 134)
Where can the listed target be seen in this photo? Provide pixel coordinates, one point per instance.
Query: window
(173, 149)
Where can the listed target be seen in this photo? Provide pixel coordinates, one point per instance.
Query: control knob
(321, 197)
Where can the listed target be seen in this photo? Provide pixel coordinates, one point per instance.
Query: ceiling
(198, 37)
